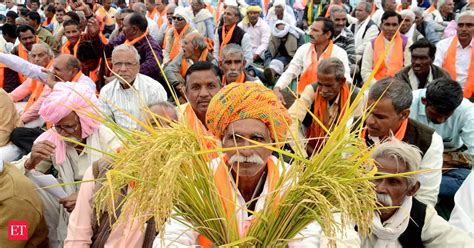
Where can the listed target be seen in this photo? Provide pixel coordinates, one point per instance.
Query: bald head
(65, 67)
(163, 112)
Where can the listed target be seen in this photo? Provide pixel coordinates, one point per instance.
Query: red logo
(17, 230)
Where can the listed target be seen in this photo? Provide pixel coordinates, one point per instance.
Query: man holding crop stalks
(411, 223)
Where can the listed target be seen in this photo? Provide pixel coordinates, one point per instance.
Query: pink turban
(65, 98)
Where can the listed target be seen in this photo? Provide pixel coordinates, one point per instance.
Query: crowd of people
(237, 70)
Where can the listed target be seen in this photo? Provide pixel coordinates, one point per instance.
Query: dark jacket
(437, 72)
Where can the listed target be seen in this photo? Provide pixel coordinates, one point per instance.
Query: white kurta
(463, 212)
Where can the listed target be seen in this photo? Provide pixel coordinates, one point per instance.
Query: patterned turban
(248, 100)
(65, 98)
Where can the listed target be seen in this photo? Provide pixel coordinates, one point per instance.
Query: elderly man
(233, 65)
(280, 12)
(456, 54)
(364, 29)
(258, 30)
(34, 20)
(320, 47)
(343, 36)
(390, 101)
(236, 114)
(152, 26)
(203, 19)
(229, 33)
(327, 99)
(124, 99)
(422, 70)
(387, 5)
(181, 27)
(427, 29)
(166, 26)
(398, 55)
(61, 149)
(444, 12)
(406, 222)
(194, 49)
(441, 106)
(408, 27)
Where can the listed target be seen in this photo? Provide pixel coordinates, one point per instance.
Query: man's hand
(277, 92)
(69, 202)
(81, 6)
(51, 80)
(93, 27)
(40, 151)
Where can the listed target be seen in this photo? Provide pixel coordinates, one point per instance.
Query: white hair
(408, 13)
(45, 47)
(127, 48)
(402, 153)
(417, 10)
(465, 13)
(440, 3)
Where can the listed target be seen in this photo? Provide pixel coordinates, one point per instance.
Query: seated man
(461, 216)
(68, 108)
(343, 36)
(327, 99)
(9, 120)
(181, 27)
(72, 31)
(129, 94)
(441, 106)
(422, 70)
(408, 27)
(20, 201)
(92, 64)
(406, 222)
(194, 49)
(34, 20)
(233, 64)
(265, 121)
(258, 31)
(392, 99)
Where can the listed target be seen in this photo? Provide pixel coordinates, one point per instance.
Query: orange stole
(166, 35)
(396, 58)
(320, 107)
(151, 14)
(36, 90)
(241, 79)
(2, 75)
(310, 75)
(198, 127)
(132, 42)
(431, 9)
(225, 38)
(450, 65)
(176, 41)
(23, 53)
(184, 63)
(227, 195)
(160, 16)
(93, 74)
(65, 48)
(400, 134)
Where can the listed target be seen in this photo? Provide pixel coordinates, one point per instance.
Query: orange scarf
(400, 7)
(152, 14)
(223, 179)
(328, 11)
(241, 79)
(396, 59)
(76, 78)
(160, 16)
(23, 53)
(450, 65)
(65, 49)
(177, 41)
(184, 63)
(218, 12)
(400, 134)
(132, 42)
(373, 10)
(36, 90)
(165, 37)
(310, 75)
(2, 72)
(431, 9)
(93, 74)
(320, 108)
(226, 38)
(206, 138)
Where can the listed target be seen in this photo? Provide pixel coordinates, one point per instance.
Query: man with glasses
(124, 98)
(181, 27)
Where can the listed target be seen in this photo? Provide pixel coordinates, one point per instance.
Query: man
(49, 13)
(126, 96)
(233, 66)
(404, 4)
(34, 20)
(442, 107)
(387, 5)
(10, 5)
(310, 16)
(265, 121)
(280, 12)
(151, 9)
(72, 31)
(444, 12)
(120, 16)
(398, 55)
(390, 101)
(427, 29)
(229, 33)
(9, 120)
(408, 27)
(320, 47)
(69, 108)
(11, 17)
(327, 99)
(161, 13)
(406, 222)
(203, 19)
(92, 64)
(343, 37)
(258, 30)
(166, 26)
(181, 27)
(134, 34)
(20, 201)
(60, 4)
(364, 30)
(107, 13)
(8, 37)
(456, 54)
(422, 70)
(194, 49)
(152, 26)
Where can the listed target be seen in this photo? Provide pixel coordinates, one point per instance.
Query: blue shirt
(458, 130)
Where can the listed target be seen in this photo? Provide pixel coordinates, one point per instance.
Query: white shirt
(463, 58)
(152, 28)
(245, 44)
(462, 215)
(377, 16)
(114, 100)
(361, 41)
(259, 36)
(302, 60)
(433, 16)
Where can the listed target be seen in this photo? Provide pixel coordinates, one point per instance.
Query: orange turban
(248, 100)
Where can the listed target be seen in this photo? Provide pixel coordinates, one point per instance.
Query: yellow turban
(248, 100)
(254, 8)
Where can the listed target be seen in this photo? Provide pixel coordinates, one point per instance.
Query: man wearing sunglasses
(174, 36)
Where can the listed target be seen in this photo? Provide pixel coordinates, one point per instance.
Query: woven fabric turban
(249, 100)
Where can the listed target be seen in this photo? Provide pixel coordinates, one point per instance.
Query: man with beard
(422, 70)
(444, 12)
(404, 221)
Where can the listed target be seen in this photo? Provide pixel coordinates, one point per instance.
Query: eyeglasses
(177, 18)
(120, 64)
(66, 129)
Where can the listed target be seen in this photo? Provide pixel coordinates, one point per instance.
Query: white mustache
(254, 159)
(384, 199)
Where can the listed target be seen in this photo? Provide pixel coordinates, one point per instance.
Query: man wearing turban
(258, 30)
(71, 109)
(237, 114)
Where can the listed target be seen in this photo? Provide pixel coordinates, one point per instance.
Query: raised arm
(24, 67)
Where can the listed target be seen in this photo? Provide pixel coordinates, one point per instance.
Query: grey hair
(125, 47)
(465, 13)
(417, 10)
(45, 47)
(337, 9)
(140, 8)
(394, 89)
(172, 7)
(164, 104)
(198, 41)
(232, 48)
(440, 3)
(402, 153)
(408, 13)
(368, 6)
(332, 65)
